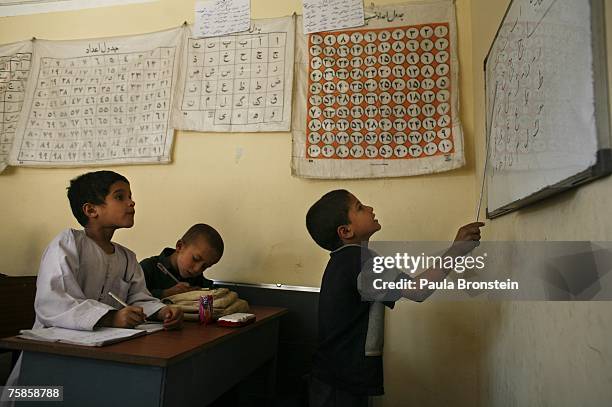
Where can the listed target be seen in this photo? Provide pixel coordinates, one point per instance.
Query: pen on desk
(167, 272)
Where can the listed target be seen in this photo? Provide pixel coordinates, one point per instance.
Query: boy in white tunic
(80, 267)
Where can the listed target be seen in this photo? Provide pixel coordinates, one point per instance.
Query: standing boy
(347, 366)
(200, 247)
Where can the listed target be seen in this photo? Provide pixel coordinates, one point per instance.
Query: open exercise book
(97, 337)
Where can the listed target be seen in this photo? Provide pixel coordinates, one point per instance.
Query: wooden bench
(17, 304)
(17, 312)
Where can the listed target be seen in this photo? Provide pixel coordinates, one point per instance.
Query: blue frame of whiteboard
(509, 145)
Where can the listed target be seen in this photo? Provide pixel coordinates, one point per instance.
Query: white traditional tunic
(73, 282)
(75, 277)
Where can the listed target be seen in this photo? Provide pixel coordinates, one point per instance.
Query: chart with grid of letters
(15, 60)
(238, 82)
(381, 100)
(101, 101)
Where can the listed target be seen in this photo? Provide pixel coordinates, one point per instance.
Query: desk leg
(271, 379)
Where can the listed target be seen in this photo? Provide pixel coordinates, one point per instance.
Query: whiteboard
(546, 102)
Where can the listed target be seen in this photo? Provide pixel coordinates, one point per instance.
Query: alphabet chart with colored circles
(240, 82)
(99, 101)
(381, 99)
(15, 62)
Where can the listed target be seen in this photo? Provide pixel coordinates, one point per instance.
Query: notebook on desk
(97, 337)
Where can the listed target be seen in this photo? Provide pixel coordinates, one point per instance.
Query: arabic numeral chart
(106, 104)
(380, 100)
(379, 93)
(99, 108)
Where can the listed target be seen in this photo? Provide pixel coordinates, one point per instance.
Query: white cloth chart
(15, 62)
(99, 101)
(240, 82)
(380, 100)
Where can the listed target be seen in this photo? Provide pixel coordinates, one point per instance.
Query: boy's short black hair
(324, 217)
(91, 187)
(210, 234)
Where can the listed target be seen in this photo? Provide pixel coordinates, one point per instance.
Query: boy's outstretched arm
(466, 240)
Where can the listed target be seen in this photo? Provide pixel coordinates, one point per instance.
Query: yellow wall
(241, 184)
(542, 353)
(459, 354)
(456, 354)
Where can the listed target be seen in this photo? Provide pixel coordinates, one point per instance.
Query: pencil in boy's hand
(117, 299)
(167, 272)
(144, 316)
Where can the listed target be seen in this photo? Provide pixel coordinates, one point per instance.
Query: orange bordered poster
(379, 100)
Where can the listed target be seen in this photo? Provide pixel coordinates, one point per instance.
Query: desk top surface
(157, 349)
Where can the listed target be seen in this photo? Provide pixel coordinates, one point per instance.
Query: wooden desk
(189, 367)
